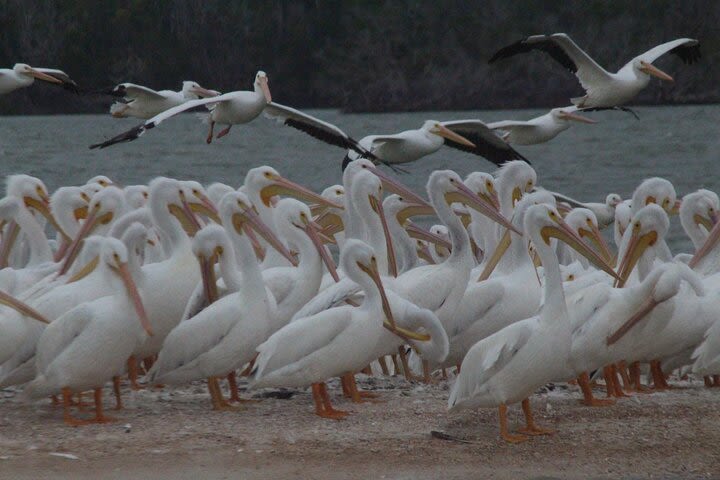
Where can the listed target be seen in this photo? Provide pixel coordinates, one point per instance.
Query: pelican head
(647, 69)
(208, 245)
(261, 85)
(648, 226)
(136, 195)
(392, 185)
(238, 213)
(27, 70)
(484, 185)
(101, 180)
(699, 208)
(544, 222)
(268, 183)
(612, 200)
(567, 114)
(114, 254)
(199, 201)
(515, 178)
(193, 90)
(295, 214)
(655, 190)
(451, 186)
(103, 209)
(585, 224)
(34, 195)
(436, 128)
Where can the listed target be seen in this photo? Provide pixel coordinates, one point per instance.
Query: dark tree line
(355, 55)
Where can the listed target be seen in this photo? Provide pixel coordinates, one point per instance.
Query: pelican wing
(508, 125)
(67, 82)
(566, 52)
(193, 338)
(61, 333)
(137, 131)
(328, 298)
(688, 49)
(487, 144)
(298, 340)
(324, 131)
(132, 91)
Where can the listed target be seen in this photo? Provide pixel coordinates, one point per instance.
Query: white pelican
(143, 102)
(468, 135)
(604, 89)
(336, 342)
(224, 335)
(539, 129)
(91, 343)
(23, 75)
(511, 364)
(604, 212)
(229, 108)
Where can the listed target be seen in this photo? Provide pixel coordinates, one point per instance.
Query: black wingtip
(346, 161)
(128, 136)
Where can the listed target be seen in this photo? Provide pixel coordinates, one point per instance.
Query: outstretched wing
(138, 130)
(324, 131)
(688, 49)
(487, 144)
(566, 52)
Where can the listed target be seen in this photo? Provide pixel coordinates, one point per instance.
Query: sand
(173, 434)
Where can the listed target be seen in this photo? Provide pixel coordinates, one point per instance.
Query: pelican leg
(224, 132)
(148, 363)
(132, 365)
(507, 436)
(457, 368)
(530, 427)
(248, 369)
(588, 399)
(383, 365)
(716, 380)
(67, 416)
(635, 377)
(328, 410)
(659, 381)
(444, 374)
(56, 400)
(396, 365)
(426, 372)
(219, 403)
(210, 134)
(352, 389)
(622, 368)
(609, 387)
(99, 416)
(232, 385)
(708, 381)
(405, 367)
(116, 389)
(617, 389)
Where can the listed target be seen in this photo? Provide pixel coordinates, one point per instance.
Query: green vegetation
(355, 55)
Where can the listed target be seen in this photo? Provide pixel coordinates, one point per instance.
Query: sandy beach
(171, 433)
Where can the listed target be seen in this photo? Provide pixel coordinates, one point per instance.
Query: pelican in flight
(23, 75)
(143, 102)
(471, 136)
(602, 88)
(539, 129)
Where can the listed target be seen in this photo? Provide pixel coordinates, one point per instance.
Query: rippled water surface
(585, 162)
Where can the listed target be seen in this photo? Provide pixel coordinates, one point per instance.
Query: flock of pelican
(515, 287)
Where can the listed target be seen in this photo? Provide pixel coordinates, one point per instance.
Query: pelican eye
(98, 205)
(589, 222)
(145, 194)
(196, 192)
(219, 250)
(338, 192)
(571, 277)
(268, 175)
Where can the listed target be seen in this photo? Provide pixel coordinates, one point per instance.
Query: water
(585, 162)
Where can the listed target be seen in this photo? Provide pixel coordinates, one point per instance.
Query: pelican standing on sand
(508, 366)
